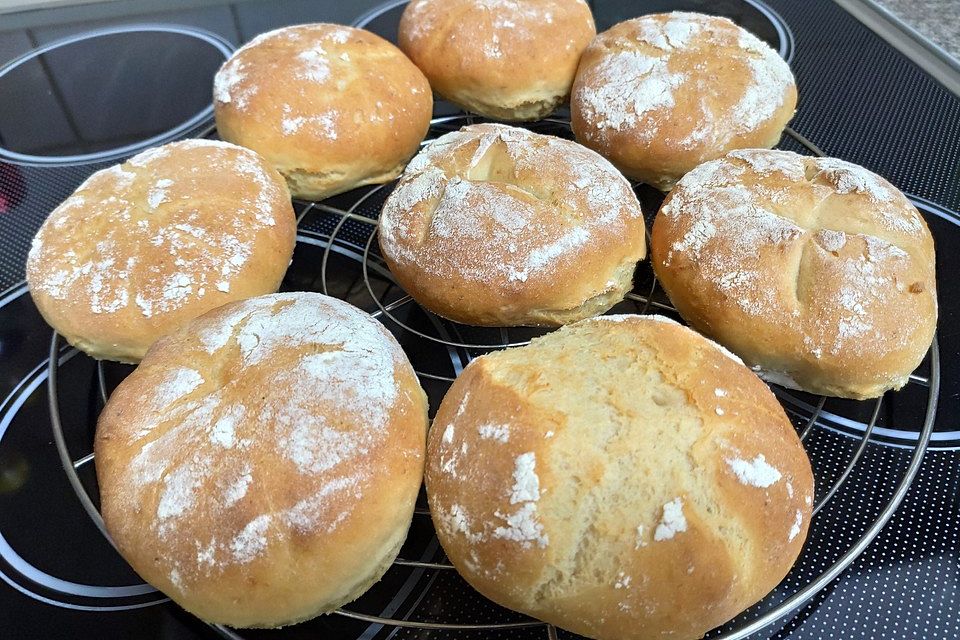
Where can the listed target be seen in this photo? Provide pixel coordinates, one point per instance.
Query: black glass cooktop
(109, 89)
(65, 106)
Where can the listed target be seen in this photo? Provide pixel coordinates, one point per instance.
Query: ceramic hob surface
(72, 107)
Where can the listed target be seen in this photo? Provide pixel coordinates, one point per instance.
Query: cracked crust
(498, 226)
(815, 270)
(659, 94)
(261, 466)
(594, 434)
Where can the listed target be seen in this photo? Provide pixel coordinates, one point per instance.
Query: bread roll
(815, 271)
(261, 466)
(331, 107)
(142, 248)
(622, 478)
(494, 225)
(660, 94)
(504, 59)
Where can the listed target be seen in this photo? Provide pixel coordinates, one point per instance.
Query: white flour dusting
(315, 448)
(224, 432)
(229, 86)
(831, 240)
(319, 507)
(771, 78)
(252, 540)
(179, 489)
(456, 521)
(625, 87)
(238, 488)
(158, 193)
(672, 522)
(498, 432)
(850, 178)
(795, 529)
(314, 65)
(525, 228)
(756, 473)
(108, 277)
(622, 581)
(522, 526)
(526, 483)
(641, 540)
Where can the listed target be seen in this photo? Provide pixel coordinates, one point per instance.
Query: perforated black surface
(862, 100)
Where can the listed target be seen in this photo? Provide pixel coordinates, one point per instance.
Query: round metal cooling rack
(347, 233)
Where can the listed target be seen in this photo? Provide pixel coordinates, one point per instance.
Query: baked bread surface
(659, 94)
(261, 466)
(505, 59)
(816, 271)
(499, 226)
(621, 478)
(142, 248)
(331, 107)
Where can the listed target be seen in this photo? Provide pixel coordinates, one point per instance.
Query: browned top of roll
(143, 247)
(623, 478)
(324, 102)
(261, 465)
(659, 94)
(498, 57)
(495, 223)
(815, 269)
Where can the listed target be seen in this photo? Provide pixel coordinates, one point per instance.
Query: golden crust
(142, 248)
(261, 465)
(620, 478)
(660, 94)
(815, 270)
(331, 107)
(495, 225)
(500, 58)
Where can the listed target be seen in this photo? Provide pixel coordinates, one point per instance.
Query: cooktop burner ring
(197, 124)
(351, 237)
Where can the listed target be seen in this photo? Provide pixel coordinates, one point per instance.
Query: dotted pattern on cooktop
(863, 101)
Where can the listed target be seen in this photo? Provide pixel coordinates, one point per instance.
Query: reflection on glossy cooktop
(107, 92)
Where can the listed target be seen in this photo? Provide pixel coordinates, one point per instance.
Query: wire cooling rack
(337, 255)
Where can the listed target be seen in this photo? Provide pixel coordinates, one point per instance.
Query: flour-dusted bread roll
(141, 248)
(660, 94)
(815, 271)
(505, 59)
(331, 107)
(498, 226)
(623, 478)
(261, 466)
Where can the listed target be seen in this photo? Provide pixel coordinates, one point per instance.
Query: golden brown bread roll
(495, 225)
(142, 248)
(261, 465)
(332, 107)
(660, 94)
(622, 478)
(505, 59)
(814, 270)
